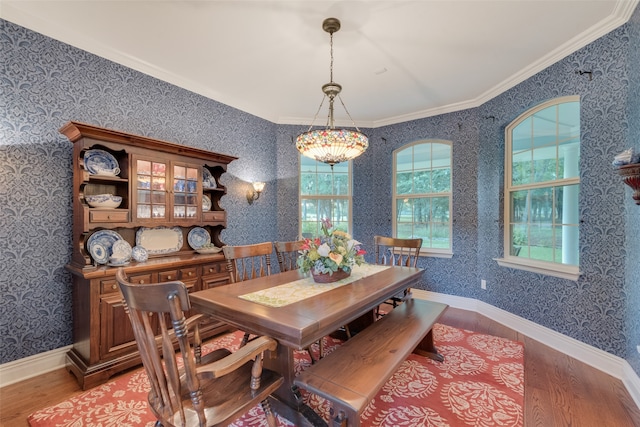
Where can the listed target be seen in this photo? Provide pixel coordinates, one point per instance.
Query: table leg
(286, 401)
(428, 349)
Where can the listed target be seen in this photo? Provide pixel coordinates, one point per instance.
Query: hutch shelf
(167, 189)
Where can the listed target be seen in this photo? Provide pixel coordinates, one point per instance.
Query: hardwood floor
(559, 391)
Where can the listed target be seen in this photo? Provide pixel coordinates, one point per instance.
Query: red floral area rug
(480, 383)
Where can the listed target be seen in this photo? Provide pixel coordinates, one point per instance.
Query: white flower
(351, 243)
(324, 250)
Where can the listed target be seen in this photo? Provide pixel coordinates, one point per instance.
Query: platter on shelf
(100, 162)
(207, 179)
(206, 203)
(121, 249)
(198, 237)
(208, 249)
(105, 239)
(99, 253)
(159, 240)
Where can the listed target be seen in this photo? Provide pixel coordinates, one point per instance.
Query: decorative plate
(207, 179)
(121, 249)
(206, 203)
(198, 237)
(99, 253)
(139, 254)
(117, 264)
(159, 240)
(100, 162)
(208, 250)
(106, 238)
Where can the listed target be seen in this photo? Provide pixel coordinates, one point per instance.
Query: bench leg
(426, 348)
(343, 417)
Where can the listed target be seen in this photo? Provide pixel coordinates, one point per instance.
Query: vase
(330, 278)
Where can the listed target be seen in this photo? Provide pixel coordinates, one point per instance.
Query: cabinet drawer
(210, 269)
(187, 274)
(111, 215)
(167, 276)
(214, 216)
(141, 279)
(108, 286)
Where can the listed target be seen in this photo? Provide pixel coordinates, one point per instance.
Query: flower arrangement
(333, 251)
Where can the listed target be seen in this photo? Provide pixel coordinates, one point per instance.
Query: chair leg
(271, 419)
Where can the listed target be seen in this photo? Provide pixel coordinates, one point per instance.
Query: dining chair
(186, 387)
(398, 252)
(287, 255)
(247, 262)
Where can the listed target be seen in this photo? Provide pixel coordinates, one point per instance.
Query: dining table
(297, 312)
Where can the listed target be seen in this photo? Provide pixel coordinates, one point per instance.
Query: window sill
(433, 254)
(568, 272)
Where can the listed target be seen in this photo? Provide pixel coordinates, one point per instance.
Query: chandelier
(331, 145)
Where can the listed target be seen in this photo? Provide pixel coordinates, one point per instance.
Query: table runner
(291, 292)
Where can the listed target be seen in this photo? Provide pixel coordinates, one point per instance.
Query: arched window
(542, 182)
(422, 194)
(324, 193)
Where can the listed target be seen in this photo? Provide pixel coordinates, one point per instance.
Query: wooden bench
(351, 376)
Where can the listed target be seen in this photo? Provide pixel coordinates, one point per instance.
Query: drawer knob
(210, 270)
(114, 286)
(169, 277)
(190, 273)
(141, 282)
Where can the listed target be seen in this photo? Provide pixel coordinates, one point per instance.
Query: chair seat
(221, 396)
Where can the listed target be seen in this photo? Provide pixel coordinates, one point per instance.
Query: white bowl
(103, 201)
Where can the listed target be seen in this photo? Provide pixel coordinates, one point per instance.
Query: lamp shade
(332, 146)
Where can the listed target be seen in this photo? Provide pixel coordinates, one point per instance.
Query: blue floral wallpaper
(46, 83)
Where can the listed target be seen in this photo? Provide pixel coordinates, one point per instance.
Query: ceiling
(396, 60)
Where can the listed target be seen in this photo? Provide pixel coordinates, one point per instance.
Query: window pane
(421, 156)
(404, 183)
(521, 168)
(440, 209)
(422, 182)
(440, 236)
(404, 159)
(441, 180)
(521, 136)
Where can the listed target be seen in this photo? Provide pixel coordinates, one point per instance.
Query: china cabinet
(167, 202)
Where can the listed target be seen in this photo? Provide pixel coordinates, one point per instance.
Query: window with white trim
(542, 183)
(324, 193)
(422, 194)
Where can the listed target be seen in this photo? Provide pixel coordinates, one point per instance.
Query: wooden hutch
(161, 185)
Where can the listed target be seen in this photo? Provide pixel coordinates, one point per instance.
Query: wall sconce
(254, 192)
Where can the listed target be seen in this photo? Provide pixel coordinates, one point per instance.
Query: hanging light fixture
(331, 145)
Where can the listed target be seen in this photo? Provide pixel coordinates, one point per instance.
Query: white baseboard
(608, 363)
(32, 366)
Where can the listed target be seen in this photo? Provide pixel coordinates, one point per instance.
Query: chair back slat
(394, 251)
(287, 254)
(248, 261)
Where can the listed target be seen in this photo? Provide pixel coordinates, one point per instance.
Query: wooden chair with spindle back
(287, 254)
(247, 262)
(209, 390)
(398, 252)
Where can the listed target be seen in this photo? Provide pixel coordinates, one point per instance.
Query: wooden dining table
(253, 306)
